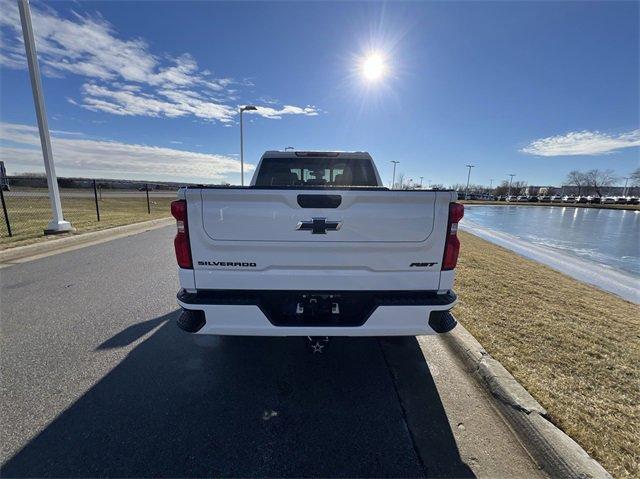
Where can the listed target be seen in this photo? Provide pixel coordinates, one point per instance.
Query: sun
(373, 67)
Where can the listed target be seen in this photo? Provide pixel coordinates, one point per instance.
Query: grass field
(575, 348)
(30, 215)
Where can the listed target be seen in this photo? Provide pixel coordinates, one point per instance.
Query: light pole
(626, 180)
(466, 190)
(510, 180)
(421, 181)
(393, 181)
(242, 110)
(57, 223)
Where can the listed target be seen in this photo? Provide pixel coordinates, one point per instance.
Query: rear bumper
(268, 313)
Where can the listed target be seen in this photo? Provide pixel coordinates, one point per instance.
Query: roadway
(97, 380)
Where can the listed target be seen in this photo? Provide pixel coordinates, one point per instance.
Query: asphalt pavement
(97, 380)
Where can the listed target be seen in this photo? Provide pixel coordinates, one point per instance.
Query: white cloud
(582, 143)
(85, 157)
(64, 132)
(124, 77)
(276, 114)
(83, 45)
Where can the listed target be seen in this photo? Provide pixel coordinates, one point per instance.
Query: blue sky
(148, 90)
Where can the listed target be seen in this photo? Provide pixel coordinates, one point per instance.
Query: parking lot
(98, 381)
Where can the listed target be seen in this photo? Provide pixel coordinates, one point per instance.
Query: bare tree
(578, 179)
(520, 187)
(635, 177)
(517, 187)
(399, 182)
(501, 189)
(597, 179)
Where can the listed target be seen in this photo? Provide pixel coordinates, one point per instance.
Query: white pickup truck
(316, 246)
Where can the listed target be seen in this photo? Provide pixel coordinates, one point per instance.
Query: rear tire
(442, 321)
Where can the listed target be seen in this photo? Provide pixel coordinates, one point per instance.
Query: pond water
(608, 237)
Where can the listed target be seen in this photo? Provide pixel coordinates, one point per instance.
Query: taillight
(181, 242)
(452, 244)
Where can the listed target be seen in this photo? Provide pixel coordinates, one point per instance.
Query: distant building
(539, 190)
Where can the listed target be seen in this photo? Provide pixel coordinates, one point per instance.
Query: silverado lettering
(226, 263)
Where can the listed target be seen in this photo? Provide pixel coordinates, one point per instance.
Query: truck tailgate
(293, 239)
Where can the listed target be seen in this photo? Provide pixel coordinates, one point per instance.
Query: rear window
(316, 172)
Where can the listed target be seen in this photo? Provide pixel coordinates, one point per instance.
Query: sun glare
(373, 67)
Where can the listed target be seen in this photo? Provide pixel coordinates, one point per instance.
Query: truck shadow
(182, 406)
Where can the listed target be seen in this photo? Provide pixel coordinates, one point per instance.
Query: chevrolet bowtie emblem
(319, 226)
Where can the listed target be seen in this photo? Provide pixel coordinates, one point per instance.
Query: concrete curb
(554, 451)
(22, 254)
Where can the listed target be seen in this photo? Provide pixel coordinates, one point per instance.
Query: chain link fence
(87, 203)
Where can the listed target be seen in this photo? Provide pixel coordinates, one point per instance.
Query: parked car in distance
(568, 199)
(522, 199)
(594, 200)
(633, 200)
(501, 198)
(533, 199)
(510, 198)
(556, 199)
(480, 197)
(621, 200)
(582, 199)
(608, 200)
(544, 199)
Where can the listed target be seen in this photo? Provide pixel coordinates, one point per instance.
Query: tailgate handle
(319, 201)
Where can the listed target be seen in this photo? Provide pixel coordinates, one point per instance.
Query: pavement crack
(403, 411)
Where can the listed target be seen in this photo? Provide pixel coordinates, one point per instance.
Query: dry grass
(29, 216)
(574, 347)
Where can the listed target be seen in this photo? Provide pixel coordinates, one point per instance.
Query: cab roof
(316, 154)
